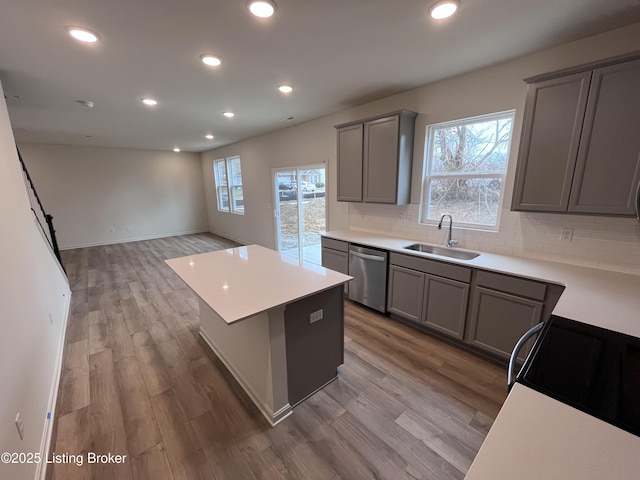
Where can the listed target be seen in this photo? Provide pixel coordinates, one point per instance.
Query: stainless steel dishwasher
(368, 267)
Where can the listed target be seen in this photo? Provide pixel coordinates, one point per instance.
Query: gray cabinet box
(418, 293)
(375, 158)
(335, 256)
(580, 151)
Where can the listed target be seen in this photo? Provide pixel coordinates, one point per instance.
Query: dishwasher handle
(512, 360)
(366, 256)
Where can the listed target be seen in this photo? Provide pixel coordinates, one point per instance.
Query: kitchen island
(276, 322)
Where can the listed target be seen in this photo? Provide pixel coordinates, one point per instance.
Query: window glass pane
(235, 171)
(470, 200)
(220, 173)
(481, 146)
(223, 199)
(238, 199)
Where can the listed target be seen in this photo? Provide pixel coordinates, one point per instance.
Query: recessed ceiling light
(149, 102)
(229, 114)
(444, 9)
(262, 8)
(85, 103)
(82, 34)
(208, 136)
(285, 88)
(176, 149)
(210, 59)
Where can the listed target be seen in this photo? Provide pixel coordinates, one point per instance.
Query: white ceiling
(337, 53)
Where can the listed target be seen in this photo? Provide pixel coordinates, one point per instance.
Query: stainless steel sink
(443, 251)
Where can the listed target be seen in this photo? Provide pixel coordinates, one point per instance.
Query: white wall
(32, 289)
(601, 242)
(139, 193)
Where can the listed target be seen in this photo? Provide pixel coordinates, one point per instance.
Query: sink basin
(443, 251)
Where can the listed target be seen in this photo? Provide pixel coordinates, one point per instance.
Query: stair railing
(39, 212)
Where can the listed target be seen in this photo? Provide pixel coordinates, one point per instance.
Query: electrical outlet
(20, 426)
(112, 229)
(315, 316)
(566, 234)
(129, 228)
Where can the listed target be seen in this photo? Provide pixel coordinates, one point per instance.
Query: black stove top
(590, 368)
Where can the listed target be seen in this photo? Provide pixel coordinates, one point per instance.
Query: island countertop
(240, 282)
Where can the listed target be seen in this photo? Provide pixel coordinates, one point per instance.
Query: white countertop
(598, 297)
(240, 282)
(535, 437)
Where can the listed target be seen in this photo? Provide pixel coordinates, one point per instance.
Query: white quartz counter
(535, 437)
(598, 297)
(240, 282)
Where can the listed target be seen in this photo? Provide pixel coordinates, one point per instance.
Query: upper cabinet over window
(580, 147)
(375, 157)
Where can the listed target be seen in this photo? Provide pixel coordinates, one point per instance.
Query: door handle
(512, 360)
(638, 202)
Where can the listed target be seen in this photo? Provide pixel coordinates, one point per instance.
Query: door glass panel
(301, 214)
(287, 218)
(312, 197)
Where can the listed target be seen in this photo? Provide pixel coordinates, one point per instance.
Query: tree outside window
(465, 168)
(228, 178)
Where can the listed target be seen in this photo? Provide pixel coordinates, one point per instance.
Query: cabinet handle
(512, 360)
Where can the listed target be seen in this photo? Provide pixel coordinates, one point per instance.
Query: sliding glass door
(300, 211)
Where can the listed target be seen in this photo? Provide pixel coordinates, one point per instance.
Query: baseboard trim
(272, 417)
(136, 239)
(45, 442)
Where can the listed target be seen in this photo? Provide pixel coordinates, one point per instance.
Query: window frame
(428, 176)
(228, 184)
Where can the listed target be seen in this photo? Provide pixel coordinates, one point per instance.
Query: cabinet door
(554, 114)
(499, 319)
(381, 160)
(350, 163)
(445, 305)
(608, 166)
(338, 261)
(406, 288)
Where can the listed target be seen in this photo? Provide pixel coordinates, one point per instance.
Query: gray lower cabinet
(445, 305)
(434, 301)
(580, 150)
(503, 309)
(406, 293)
(335, 256)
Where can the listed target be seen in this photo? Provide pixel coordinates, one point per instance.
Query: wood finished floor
(137, 380)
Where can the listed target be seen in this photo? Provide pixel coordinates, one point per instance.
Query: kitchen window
(228, 179)
(465, 169)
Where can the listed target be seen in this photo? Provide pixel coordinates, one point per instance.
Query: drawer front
(513, 285)
(335, 244)
(441, 269)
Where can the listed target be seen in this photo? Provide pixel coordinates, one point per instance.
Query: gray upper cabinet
(580, 151)
(350, 163)
(608, 166)
(375, 158)
(554, 112)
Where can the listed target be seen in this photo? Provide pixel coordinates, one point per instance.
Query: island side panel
(246, 349)
(315, 349)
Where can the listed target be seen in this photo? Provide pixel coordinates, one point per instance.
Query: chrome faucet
(450, 242)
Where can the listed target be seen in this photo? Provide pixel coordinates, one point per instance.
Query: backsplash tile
(608, 243)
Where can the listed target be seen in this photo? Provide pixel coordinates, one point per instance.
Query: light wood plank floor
(138, 381)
